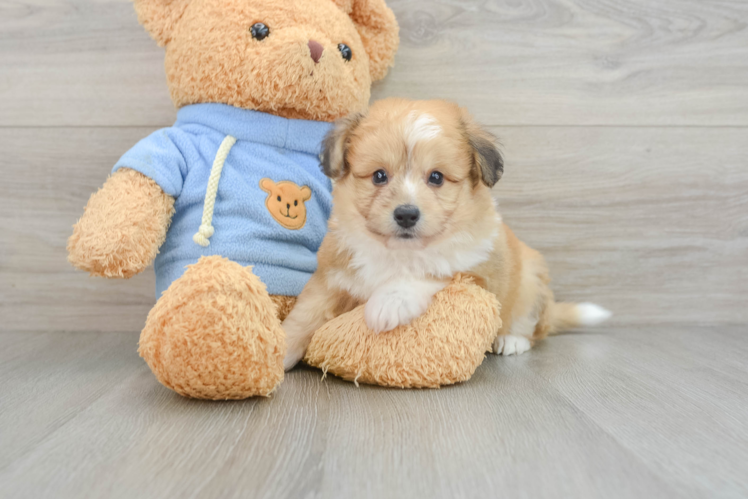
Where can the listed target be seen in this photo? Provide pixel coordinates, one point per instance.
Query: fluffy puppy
(412, 206)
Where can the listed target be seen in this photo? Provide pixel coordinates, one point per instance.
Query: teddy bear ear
(377, 26)
(306, 193)
(160, 17)
(267, 185)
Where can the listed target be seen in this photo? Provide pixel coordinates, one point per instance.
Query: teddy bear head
(309, 59)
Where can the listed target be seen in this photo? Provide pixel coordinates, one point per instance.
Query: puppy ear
(377, 26)
(267, 185)
(306, 193)
(488, 165)
(160, 17)
(335, 146)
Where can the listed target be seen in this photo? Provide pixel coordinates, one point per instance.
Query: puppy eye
(379, 178)
(259, 31)
(436, 178)
(345, 51)
(296, 203)
(279, 198)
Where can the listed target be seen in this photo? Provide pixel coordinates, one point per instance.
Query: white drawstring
(206, 228)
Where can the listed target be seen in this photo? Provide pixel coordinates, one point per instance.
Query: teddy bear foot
(443, 346)
(215, 334)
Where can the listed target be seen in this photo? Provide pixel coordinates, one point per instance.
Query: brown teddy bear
(230, 202)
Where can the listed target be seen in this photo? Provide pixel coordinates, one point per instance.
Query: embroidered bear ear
(335, 146)
(377, 26)
(267, 185)
(306, 193)
(160, 17)
(488, 165)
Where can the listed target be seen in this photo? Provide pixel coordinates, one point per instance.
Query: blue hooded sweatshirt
(246, 156)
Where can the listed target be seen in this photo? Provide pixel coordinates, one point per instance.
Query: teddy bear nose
(316, 49)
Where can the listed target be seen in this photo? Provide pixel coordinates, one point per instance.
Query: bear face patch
(285, 202)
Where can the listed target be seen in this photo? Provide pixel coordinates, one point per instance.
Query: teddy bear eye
(345, 51)
(259, 31)
(279, 198)
(296, 203)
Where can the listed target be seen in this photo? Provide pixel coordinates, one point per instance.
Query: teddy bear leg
(215, 334)
(284, 304)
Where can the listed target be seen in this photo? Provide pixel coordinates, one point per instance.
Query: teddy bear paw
(215, 334)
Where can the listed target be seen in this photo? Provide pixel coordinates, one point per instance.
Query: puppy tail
(567, 315)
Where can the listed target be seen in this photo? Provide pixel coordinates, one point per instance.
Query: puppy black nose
(407, 215)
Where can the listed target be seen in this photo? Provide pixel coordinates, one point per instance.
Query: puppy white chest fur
(413, 207)
(398, 284)
(373, 265)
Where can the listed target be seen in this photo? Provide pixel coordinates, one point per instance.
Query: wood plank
(663, 394)
(557, 62)
(48, 379)
(577, 62)
(624, 126)
(79, 62)
(620, 412)
(651, 223)
(44, 194)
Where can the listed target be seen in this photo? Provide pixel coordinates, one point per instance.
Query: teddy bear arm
(443, 346)
(122, 227)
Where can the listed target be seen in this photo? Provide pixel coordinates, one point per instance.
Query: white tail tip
(591, 314)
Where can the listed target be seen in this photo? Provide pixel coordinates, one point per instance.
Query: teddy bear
(229, 203)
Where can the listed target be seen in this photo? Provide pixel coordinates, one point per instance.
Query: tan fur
(318, 303)
(211, 56)
(515, 273)
(122, 228)
(462, 208)
(438, 348)
(283, 305)
(215, 334)
(377, 142)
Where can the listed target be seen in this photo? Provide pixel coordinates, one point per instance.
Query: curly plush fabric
(122, 228)
(379, 32)
(439, 348)
(284, 304)
(214, 334)
(211, 55)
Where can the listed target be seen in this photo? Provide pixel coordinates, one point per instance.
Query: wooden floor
(642, 412)
(625, 129)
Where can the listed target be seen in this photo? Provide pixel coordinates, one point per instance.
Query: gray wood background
(625, 129)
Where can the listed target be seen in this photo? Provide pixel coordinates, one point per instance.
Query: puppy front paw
(293, 356)
(297, 340)
(507, 345)
(388, 309)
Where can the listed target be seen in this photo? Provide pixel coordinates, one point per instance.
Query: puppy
(412, 206)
